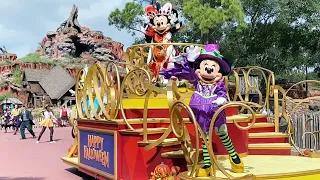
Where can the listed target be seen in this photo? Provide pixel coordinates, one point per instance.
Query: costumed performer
(205, 68)
(6, 120)
(47, 123)
(15, 114)
(161, 23)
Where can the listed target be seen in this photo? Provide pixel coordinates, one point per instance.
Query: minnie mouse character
(205, 68)
(162, 22)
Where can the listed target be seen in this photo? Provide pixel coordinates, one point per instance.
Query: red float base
(133, 162)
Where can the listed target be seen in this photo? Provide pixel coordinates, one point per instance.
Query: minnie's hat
(211, 51)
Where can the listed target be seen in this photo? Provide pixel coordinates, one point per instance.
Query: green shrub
(32, 58)
(17, 76)
(35, 58)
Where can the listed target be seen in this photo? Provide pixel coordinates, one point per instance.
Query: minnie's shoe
(237, 168)
(205, 172)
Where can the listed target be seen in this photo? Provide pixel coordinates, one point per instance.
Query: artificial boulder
(71, 40)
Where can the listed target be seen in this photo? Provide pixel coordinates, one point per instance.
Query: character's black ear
(175, 12)
(224, 72)
(158, 6)
(151, 21)
(196, 65)
(176, 27)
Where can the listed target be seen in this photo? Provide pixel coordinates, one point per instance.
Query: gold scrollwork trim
(180, 131)
(294, 109)
(103, 131)
(267, 76)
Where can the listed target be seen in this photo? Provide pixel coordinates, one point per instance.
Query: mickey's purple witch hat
(211, 51)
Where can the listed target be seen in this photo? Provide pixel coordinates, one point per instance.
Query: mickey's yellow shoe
(237, 168)
(205, 172)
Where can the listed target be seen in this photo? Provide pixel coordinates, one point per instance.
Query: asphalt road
(26, 160)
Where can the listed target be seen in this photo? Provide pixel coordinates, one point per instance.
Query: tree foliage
(279, 35)
(129, 18)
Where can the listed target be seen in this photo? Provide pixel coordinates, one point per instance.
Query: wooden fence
(300, 127)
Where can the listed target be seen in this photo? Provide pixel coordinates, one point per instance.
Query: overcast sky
(23, 23)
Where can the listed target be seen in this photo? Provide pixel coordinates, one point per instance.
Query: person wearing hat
(205, 68)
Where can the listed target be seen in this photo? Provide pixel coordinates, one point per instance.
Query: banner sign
(97, 150)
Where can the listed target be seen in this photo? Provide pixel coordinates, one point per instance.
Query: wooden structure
(57, 84)
(48, 86)
(35, 95)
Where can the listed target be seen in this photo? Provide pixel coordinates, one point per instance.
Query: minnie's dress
(201, 100)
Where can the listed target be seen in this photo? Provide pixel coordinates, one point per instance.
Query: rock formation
(71, 40)
(7, 56)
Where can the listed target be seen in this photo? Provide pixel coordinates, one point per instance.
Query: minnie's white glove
(193, 52)
(219, 101)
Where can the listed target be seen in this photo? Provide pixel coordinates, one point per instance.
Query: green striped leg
(206, 157)
(226, 141)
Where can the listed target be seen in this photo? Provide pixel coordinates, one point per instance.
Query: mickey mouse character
(205, 68)
(162, 22)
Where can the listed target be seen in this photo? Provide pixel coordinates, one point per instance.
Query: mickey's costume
(162, 23)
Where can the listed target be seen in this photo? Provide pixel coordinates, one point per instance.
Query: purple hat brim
(223, 62)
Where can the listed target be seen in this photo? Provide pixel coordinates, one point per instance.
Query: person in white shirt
(47, 123)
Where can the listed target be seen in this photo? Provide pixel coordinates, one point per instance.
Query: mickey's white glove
(167, 37)
(219, 101)
(143, 29)
(146, 19)
(193, 52)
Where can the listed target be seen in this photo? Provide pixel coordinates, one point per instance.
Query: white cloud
(24, 23)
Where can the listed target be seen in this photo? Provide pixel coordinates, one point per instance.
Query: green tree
(276, 34)
(129, 18)
(202, 24)
(280, 35)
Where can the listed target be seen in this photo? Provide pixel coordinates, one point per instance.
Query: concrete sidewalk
(26, 160)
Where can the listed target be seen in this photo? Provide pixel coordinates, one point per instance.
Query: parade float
(130, 128)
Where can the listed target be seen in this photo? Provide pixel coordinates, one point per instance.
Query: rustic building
(35, 94)
(57, 84)
(48, 86)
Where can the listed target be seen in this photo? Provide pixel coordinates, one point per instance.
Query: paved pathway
(26, 160)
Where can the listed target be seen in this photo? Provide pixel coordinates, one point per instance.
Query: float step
(268, 135)
(176, 154)
(166, 142)
(259, 117)
(262, 127)
(270, 146)
(140, 131)
(270, 149)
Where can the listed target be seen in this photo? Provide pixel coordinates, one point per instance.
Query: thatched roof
(35, 74)
(57, 82)
(11, 101)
